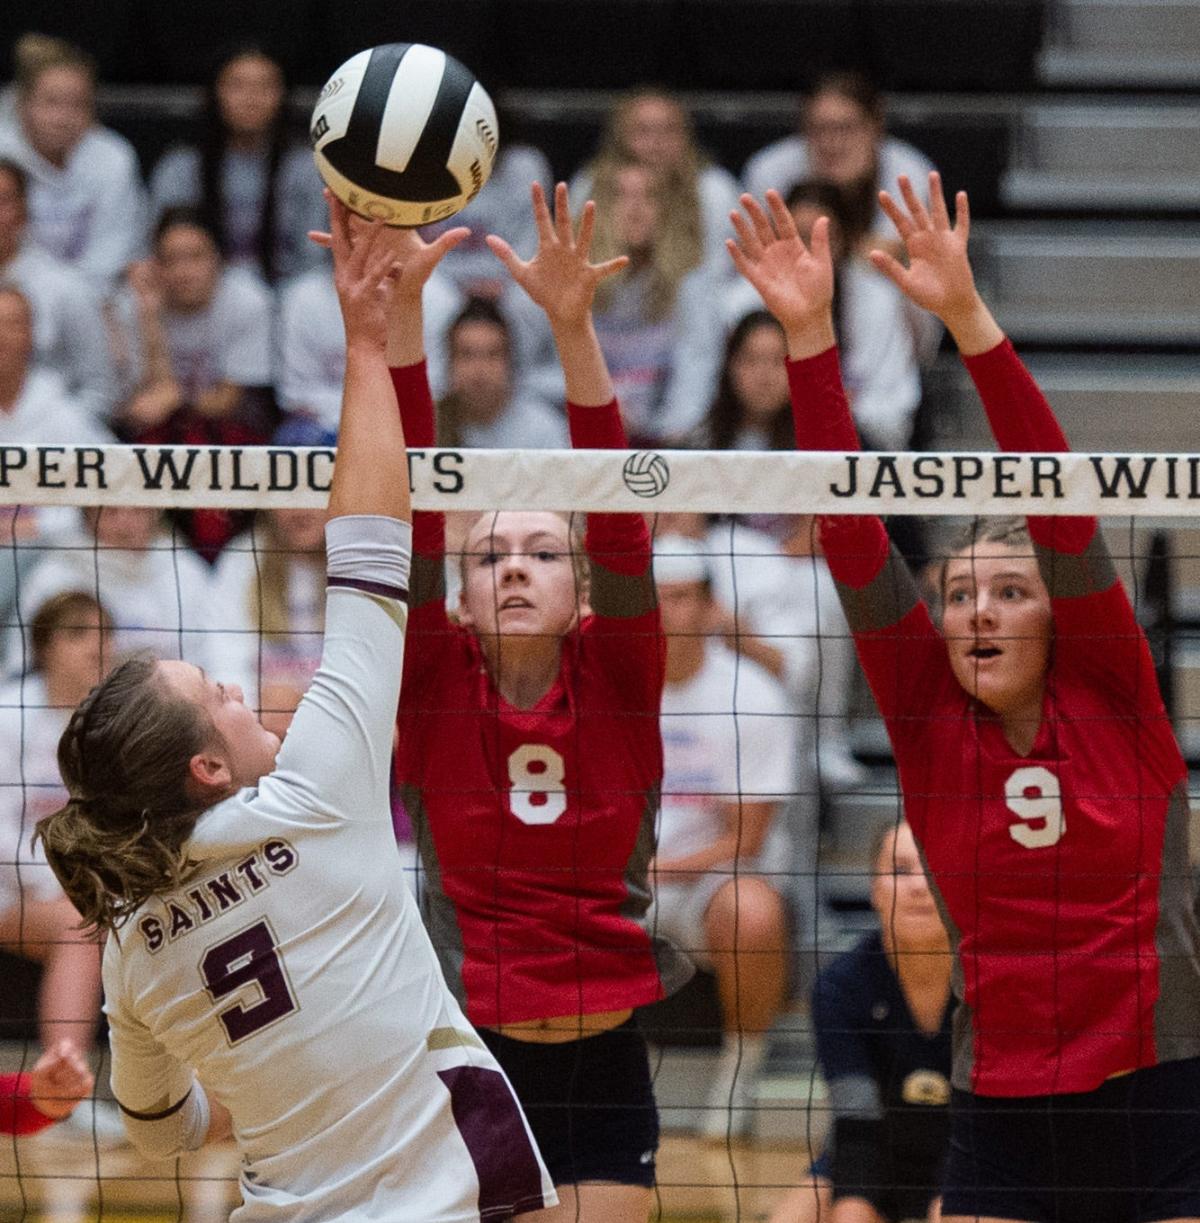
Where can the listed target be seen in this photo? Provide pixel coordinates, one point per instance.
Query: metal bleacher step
(1110, 155)
(1123, 43)
(1100, 283)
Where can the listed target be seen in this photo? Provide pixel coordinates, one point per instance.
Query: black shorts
(590, 1103)
(1128, 1152)
(894, 1201)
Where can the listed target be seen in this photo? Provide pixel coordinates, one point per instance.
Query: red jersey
(17, 1112)
(1063, 875)
(536, 827)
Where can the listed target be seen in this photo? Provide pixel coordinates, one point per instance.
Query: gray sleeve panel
(1074, 577)
(183, 1127)
(620, 596)
(1177, 940)
(856, 1095)
(885, 600)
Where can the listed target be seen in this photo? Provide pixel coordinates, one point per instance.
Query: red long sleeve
(417, 413)
(856, 547)
(1022, 420)
(17, 1112)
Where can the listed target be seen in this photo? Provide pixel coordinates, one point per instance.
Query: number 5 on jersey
(1032, 793)
(538, 794)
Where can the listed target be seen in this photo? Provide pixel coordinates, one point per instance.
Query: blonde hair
(38, 53)
(125, 759)
(678, 245)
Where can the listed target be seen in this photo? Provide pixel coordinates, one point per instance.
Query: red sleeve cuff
(820, 411)
(596, 428)
(996, 360)
(416, 403)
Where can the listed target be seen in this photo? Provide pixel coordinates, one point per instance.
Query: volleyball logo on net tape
(646, 473)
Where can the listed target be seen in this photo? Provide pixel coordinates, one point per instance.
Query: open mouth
(981, 653)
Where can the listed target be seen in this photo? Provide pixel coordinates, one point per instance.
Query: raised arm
(891, 625)
(1090, 604)
(562, 281)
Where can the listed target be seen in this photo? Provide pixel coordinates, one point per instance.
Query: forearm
(156, 355)
(583, 364)
(371, 474)
(220, 1122)
(411, 385)
(406, 335)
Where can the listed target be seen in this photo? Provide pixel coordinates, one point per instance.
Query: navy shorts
(892, 1202)
(590, 1103)
(1128, 1152)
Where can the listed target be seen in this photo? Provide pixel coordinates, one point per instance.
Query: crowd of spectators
(192, 308)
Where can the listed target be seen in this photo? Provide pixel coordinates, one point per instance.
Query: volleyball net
(796, 735)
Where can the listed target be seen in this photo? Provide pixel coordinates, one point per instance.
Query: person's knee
(746, 915)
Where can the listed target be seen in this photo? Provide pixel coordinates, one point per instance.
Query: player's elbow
(182, 1128)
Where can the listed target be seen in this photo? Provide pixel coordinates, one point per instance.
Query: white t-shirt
(91, 212)
(69, 334)
(229, 340)
(30, 787)
(525, 423)
(291, 973)
(727, 733)
(312, 344)
(159, 598)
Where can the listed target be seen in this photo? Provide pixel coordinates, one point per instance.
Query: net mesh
(783, 737)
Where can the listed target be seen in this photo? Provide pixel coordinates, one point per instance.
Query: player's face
(300, 530)
(841, 138)
(758, 374)
(998, 626)
(480, 370)
(518, 578)
(123, 526)
(655, 133)
(249, 94)
(78, 654)
(58, 111)
(900, 894)
(190, 267)
(245, 746)
(16, 335)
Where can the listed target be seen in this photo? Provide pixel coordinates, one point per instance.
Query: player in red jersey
(48, 1093)
(1041, 778)
(530, 763)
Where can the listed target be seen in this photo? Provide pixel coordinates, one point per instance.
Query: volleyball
(404, 133)
(646, 473)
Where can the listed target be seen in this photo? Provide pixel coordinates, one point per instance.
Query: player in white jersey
(267, 970)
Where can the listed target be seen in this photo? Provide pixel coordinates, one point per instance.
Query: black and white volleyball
(403, 132)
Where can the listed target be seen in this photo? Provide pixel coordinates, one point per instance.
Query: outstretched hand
(938, 277)
(362, 275)
(59, 1080)
(559, 277)
(795, 281)
(413, 258)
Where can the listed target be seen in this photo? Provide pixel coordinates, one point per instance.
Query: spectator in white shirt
(842, 140)
(653, 128)
(485, 405)
(70, 653)
(86, 202)
(69, 333)
(729, 765)
(156, 590)
(254, 184)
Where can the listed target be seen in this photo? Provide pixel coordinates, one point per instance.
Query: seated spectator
(842, 140)
(87, 206)
(50, 1092)
(879, 360)
(882, 1013)
(155, 589)
(485, 405)
(654, 129)
(197, 339)
(70, 641)
(269, 587)
(502, 208)
(312, 346)
(729, 765)
(779, 608)
(69, 333)
(255, 186)
(658, 322)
